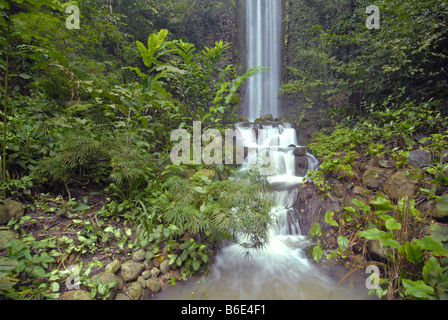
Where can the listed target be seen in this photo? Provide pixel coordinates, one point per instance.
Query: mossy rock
(375, 178)
(10, 209)
(403, 184)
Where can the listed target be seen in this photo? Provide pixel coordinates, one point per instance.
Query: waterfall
(263, 48)
(282, 270)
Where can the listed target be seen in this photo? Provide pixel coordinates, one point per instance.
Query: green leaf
(329, 219)
(418, 289)
(381, 204)
(343, 243)
(413, 252)
(432, 272)
(317, 253)
(428, 243)
(392, 224)
(316, 230)
(375, 234)
(361, 205)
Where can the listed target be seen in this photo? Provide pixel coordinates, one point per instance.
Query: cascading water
(282, 269)
(263, 46)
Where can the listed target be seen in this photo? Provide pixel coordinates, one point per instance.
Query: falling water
(263, 48)
(282, 270)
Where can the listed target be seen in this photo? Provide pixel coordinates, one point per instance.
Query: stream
(282, 270)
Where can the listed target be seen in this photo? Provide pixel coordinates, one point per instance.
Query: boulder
(267, 117)
(153, 285)
(402, 185)
(146, 274)
(375, 177)
(10, 209)
(337, 188)
(299, 152)
(243, 119)
(420, 158)
(135, 290)
(131, 270)
(165, 266)
(75, 295)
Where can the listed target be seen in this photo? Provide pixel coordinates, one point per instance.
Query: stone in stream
(153, 285)
(135, 290)
(131, 270)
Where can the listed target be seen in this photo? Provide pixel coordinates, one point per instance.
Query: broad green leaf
(381, 204)
(413, 252)
(361, 205)
(392, 224)
(432, 272)
(317, 253)
(343, 243)
(418, 289)
(428, 243)
(375, 234)
(329, 219)
(316, 230)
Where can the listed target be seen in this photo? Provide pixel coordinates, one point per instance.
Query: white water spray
(263, 46)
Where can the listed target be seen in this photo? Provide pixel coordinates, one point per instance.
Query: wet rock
(135, 290)
(402, 185)
(375, 177)
(267, 117)
(131, 270)
(420, 158)
(142, 281)
(122, 296)
(75, 295)
(243, 119)
(146, 274)
(153, 285)
(165, 266)
(155, 272)
(299, 152)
